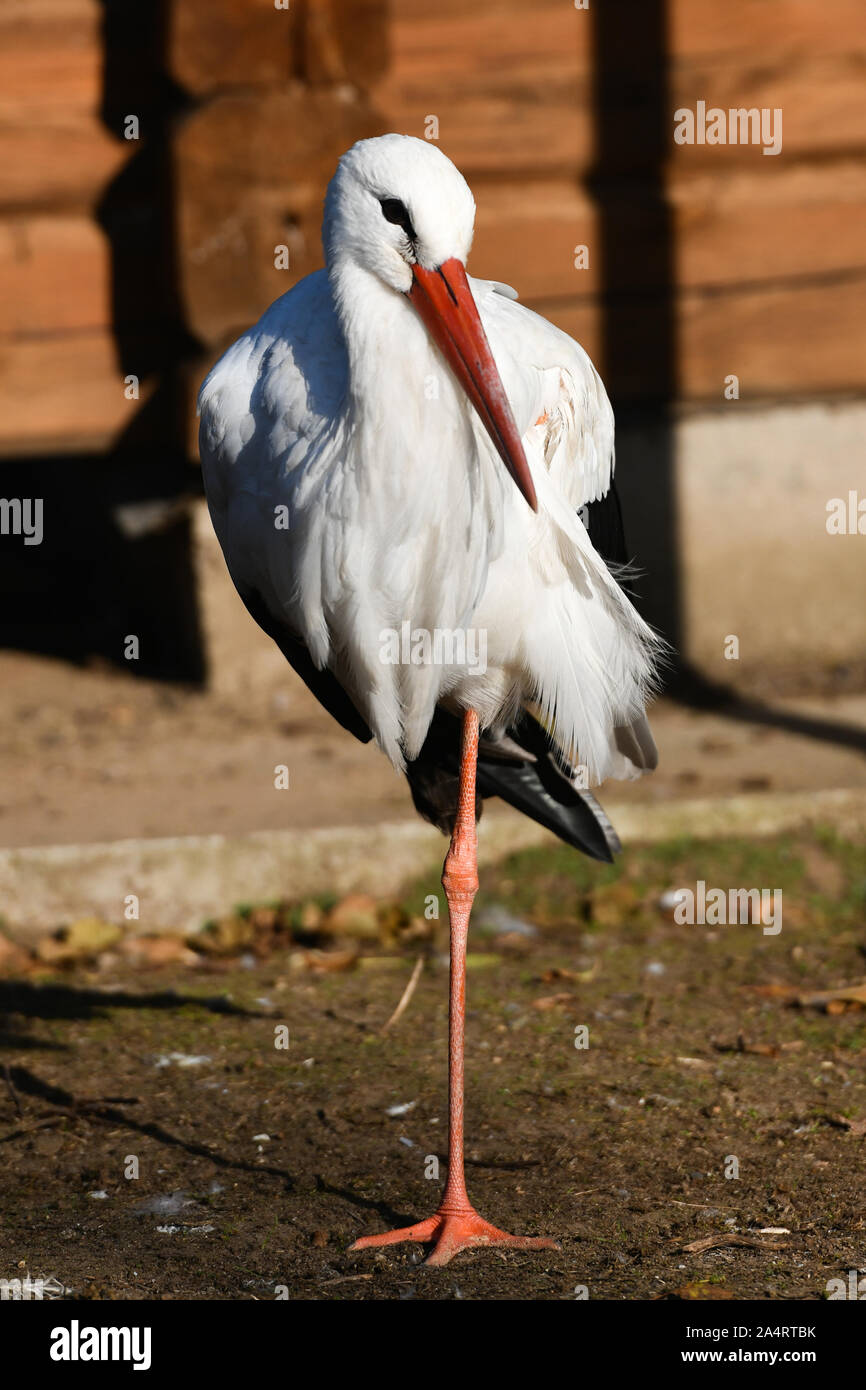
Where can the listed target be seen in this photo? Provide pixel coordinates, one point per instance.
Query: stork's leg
(456, 1225)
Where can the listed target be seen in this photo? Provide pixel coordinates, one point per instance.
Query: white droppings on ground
(496, 921)
(180, 1059)
(170, 1205)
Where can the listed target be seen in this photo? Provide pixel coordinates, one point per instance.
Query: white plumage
(339, 407)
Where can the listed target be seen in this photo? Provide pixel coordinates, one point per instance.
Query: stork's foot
(449, 1232)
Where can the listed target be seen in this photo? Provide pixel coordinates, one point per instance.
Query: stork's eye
(395, 211)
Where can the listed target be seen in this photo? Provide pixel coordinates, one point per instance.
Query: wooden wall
(58, 379)
(769, 253)
(766, 256)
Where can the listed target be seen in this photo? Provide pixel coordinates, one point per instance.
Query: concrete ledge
(181, 882)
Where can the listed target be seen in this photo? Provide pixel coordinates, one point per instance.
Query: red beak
(444, 301)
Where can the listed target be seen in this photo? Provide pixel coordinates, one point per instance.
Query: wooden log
(63, 165)
(802, 340)
(516, 98)
(51, 63)
(530, 133)
(793, 340)
(252, 168)
(487, 48)
(726, 229)
(789, 30)
(55, 149)
(55, 275)
(233, 43)
(63, 394)
(493, 42)
(499, 136)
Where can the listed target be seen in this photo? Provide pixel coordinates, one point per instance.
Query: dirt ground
(92, 755)
(258, 1166)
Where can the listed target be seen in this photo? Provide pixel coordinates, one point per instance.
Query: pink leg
(456, 1225)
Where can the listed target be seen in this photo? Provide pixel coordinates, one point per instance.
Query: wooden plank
(488, 48)
(485, 47)
(822, 115)
(808, 339)
(232, 43)
(552, 128)
(55, 275)
(63, 394)
(789, 30)
(48, 14)
(55, 148)
(730, 228)
(67, 164)
(499, 137)
(738, 227)
(251, 171)
(529, 242)
(51, 62)
(805, 340)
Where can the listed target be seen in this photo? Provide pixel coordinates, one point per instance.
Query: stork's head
(399, 209)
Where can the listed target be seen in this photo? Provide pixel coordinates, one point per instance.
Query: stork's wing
(322, 683)
(561, 405)
(566, 418)
(263, 406)
(558, 398)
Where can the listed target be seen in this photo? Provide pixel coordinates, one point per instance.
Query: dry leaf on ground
(81, 940)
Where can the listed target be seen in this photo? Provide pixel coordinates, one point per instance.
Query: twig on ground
(407, 994)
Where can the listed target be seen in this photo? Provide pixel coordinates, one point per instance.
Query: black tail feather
(535, 785)
(557, 805)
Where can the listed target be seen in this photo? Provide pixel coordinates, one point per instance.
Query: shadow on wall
(627, 181)
(109, 567)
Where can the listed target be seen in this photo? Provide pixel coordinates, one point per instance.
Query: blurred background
(158, 161)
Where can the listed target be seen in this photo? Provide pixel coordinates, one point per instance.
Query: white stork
(357, 444)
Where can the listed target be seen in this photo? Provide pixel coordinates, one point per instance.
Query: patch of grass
(553, 886)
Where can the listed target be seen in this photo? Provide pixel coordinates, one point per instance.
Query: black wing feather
(533, 784)
(323, 684)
